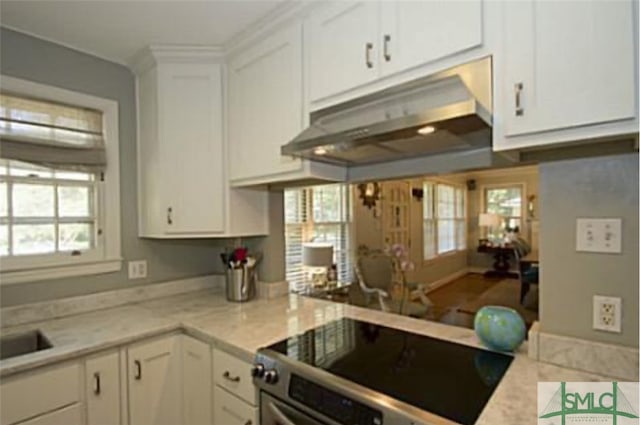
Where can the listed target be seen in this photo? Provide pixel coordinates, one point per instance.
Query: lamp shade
(489, 220)
(317, 255)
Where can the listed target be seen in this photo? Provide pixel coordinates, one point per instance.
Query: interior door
(419, 32)
(155, 390)
(567, 64)
(343, 40)
(396, 214)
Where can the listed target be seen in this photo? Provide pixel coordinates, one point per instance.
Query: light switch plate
(137, 269)
(599, 235)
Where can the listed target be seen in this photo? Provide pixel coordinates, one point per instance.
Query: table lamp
(317, 258)
(491, 221)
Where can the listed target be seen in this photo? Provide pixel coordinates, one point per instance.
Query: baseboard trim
(446, 280)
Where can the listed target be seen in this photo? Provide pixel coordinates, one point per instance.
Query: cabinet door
(155, 395)
(265, 105)
(196, 376)
(418, 32)
(230, 410)
(190, 122)
(103, 389)
(567, 64)
(342, 38)
(71, 415)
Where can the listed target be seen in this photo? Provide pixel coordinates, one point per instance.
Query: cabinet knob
(385, 50)
(169, 215)
(96, 383)
(367, 55)
(518, 87)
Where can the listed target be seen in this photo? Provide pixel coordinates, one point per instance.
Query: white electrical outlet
(137, 269)
(607, 313)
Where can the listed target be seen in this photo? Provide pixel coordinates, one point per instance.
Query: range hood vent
(446, 112)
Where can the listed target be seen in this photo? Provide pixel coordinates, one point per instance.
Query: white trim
(110, 205)
(446, 280)
(47, 273)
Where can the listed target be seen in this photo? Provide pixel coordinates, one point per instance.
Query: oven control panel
(341, 409)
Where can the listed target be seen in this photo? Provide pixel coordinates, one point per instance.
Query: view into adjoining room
(469, 240)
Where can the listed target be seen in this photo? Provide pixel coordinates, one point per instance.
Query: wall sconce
(369, 193)
(417, 193)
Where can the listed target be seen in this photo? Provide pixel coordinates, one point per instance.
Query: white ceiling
(117, 30)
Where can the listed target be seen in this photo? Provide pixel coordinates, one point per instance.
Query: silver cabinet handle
(518, 87)
(226, 375)
(169, 215)
(138, 375)
(386, 53)
(96, 383)
(367, 55)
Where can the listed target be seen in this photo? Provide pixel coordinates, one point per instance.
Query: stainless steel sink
(23, 343)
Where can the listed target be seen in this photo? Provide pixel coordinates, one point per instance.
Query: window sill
(56, 272)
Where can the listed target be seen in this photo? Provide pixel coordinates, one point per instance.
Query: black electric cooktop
(451, 380)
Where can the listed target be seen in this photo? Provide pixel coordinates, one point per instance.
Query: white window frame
(456, 250)
(107, 257)
(308, 224)
(523, 200)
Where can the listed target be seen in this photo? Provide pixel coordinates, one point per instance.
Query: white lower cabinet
(102, 389)
(230, 410)
(234, 396)
(70, 415)
(196, 378)
(154, 382)
(42, 395)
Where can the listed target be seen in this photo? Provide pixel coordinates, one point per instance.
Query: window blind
(50, 134)
(317, 214)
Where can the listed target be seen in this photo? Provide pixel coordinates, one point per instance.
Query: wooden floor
(448, 298)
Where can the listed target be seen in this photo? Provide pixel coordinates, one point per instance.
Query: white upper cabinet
(183, 186)
(190, 126)
(266, 111)
(354, 43)
(418, 32)
(341, 39)
(265, 105)
(565, 65)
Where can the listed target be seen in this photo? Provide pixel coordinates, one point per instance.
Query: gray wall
(595, 187)
(33, 59)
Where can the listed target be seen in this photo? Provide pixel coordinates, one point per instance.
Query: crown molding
(288, 11)
(152, 55)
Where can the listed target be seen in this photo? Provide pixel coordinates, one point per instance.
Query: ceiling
(117, 30)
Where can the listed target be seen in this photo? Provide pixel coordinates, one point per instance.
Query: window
(444, 219)
(317, 214)
(59, 183)
(506, 201)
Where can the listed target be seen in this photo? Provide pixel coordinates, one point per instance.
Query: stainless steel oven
(276, 412)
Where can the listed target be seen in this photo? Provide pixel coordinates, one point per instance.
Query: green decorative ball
(499, 328)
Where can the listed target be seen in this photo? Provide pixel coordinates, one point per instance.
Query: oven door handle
(279, 416)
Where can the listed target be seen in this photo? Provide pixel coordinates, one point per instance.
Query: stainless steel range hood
(446, 112)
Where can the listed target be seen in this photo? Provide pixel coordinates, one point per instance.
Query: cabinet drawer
(230, 410)
(71, 415)
(234, 375)
(54, 388)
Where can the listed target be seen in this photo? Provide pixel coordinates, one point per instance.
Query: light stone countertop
(243, 328)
